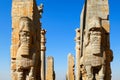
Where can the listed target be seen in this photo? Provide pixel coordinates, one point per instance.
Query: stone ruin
(28, 50)
(93, 53)
(28, 42)
(70, 70)
(50, 68)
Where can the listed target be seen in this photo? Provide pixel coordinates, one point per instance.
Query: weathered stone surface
(43, 56)
(28, 43)
(93, 53)
(20, 9)
(50, 74)
(98, 8)
(25, 47)
(77, 39)
(71, 65)
(26, 53)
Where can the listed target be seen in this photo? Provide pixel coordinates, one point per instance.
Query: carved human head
(25, 31)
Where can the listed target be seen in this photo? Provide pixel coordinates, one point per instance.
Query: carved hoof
(20, 78)
(31, 78)
(90, 77)
(101, 78)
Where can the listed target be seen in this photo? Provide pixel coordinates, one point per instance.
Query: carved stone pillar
(50, 74)
(71, 65)
(77, 48)
(43, 49)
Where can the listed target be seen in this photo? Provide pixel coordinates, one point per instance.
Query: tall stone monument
(77, 39)
(28, 41)
(70, 71)
(50, 73)
(43, 56)
(93, 53)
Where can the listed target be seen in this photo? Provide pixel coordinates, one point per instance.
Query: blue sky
(60, 19)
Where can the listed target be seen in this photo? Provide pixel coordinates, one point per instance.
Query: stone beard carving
(93, 59)
(93, 48)
(25, 54)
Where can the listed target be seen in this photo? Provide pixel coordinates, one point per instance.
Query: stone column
(29, 10)
(70, 71)
(43, 49)
(50, 74)
(77, 48)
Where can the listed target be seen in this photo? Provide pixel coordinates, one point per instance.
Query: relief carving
(93, 59)
(25, 63)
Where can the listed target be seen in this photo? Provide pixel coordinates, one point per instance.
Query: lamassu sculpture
(26, 53)
(94, 55)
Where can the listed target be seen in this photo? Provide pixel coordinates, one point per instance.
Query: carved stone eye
(27, 34)
(22, 34)
(92, 29)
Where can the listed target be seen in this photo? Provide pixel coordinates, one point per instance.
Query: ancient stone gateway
(25, 40)
(93, 53)
(28, 41)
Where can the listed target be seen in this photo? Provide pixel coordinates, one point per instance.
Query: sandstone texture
(70, 70)
(93, 53)
(28, 41)
(50, 69)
